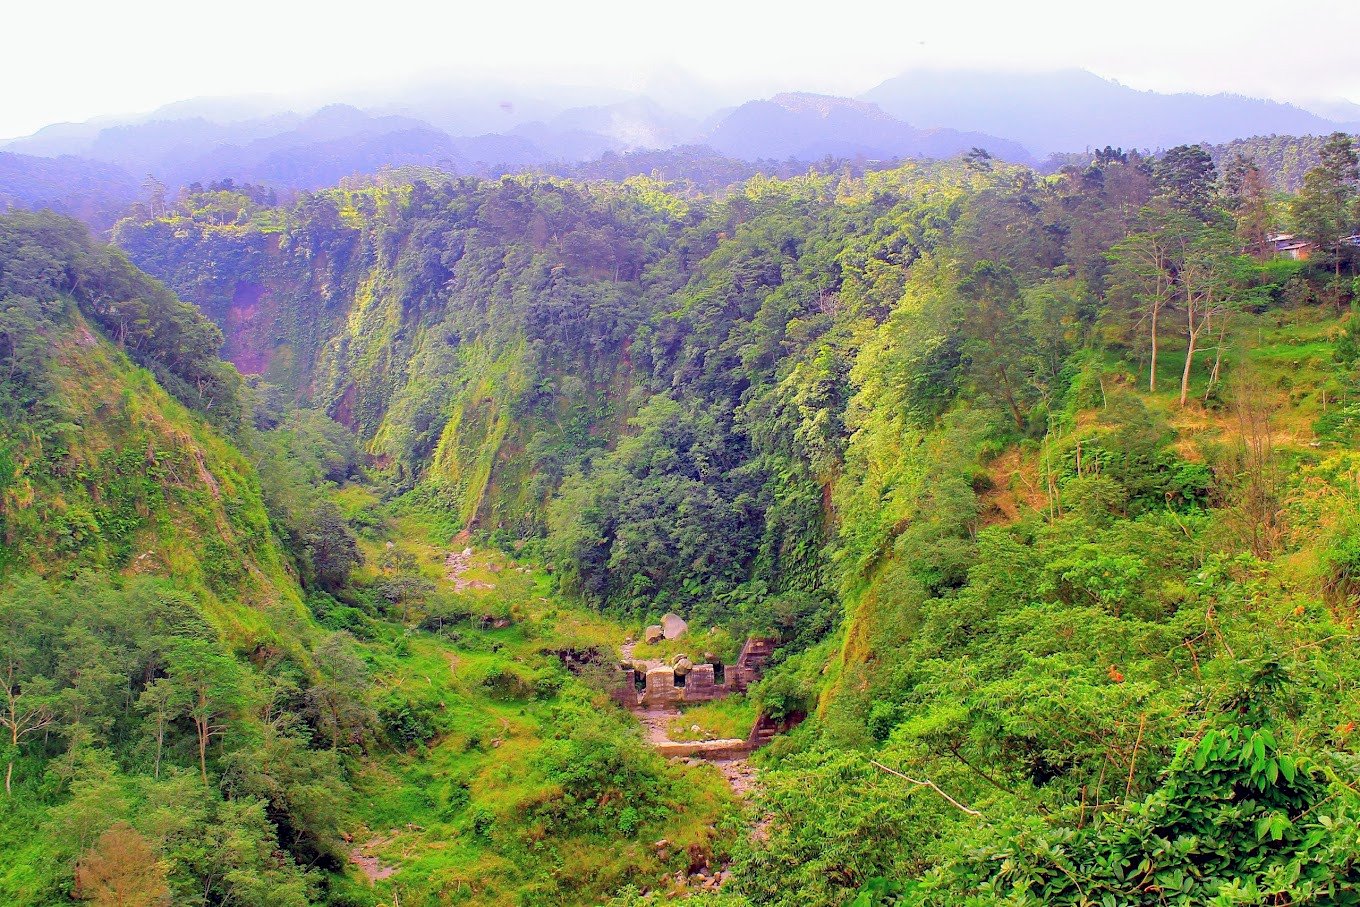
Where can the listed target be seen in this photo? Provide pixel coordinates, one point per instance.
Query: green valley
(1040, 489)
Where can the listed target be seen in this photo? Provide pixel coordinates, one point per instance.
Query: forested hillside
(189, 715)
(1044, 487)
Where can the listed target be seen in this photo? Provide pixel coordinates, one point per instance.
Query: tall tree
(1205, 292)
(158, 701)
(29, 703)
(1144, 272)
(1248, 195)
(207, 686)
(1325, 210)
(1185, 179)
(994, 343)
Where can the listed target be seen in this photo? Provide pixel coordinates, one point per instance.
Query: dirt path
(654, 721)
(373, 868)
(740, 774)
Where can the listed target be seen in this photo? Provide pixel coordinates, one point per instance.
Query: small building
(1287, 245)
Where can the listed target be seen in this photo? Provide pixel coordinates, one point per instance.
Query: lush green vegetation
(1045, 487)
(231, 678)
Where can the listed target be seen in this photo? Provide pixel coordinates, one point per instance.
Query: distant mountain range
(91, 191)
(1071, 110)
(812, 127)
(487, 129)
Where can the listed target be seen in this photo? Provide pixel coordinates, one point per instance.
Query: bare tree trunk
(1218, 361)
(1152, 369)
(1189, 362)
(160, 742)
(203, 757)
(201, 722)
(1196, 318)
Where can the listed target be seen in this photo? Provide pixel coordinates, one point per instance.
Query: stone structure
(751, 662)
(708, 749)
(661, 688)
(683, 681)
(700, 685)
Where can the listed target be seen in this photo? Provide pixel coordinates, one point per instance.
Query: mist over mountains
(487, 129)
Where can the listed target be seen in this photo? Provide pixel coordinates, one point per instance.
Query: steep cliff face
(102, 469)
(493, 345)
(467, 336)
(277, 295)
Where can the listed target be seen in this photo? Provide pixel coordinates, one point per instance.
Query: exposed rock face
(672, 625)
(653, 634)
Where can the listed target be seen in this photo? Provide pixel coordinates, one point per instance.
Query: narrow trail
(374, 869)
(739, 772)
(654, 721)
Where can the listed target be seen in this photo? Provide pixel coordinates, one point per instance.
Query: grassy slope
(136, 482)
(455, 818)
(1287, 356)
(142, 485)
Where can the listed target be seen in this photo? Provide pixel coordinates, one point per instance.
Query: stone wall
(661, 688)
(750, 663)
(710, 749)
(700, 685)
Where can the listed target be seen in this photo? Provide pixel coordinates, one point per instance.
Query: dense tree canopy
(1043, 486)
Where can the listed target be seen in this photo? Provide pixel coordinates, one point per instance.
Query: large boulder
(653, 635)
(682, 665)
(673, 625)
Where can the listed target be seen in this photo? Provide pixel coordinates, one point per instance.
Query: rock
(653, 635)
(694, 728)
(672, 625)
(682, 665)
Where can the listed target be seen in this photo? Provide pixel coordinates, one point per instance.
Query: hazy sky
(67, 60)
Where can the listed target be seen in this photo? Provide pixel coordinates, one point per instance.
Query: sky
(72, 60)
